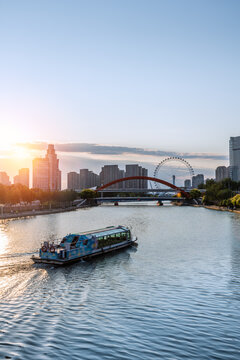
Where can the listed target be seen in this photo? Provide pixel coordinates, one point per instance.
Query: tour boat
(82, 246)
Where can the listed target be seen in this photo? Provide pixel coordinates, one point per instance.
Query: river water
(177, 296)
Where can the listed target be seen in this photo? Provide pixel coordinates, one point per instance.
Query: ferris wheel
(173, 169)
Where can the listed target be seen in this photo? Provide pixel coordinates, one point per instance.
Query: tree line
(15, 194)
(222, 193)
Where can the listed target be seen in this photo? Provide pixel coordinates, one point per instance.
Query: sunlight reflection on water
(3, 240)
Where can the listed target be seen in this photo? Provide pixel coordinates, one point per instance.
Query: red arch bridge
(183, 195)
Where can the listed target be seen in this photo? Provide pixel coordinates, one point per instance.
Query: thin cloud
(96, 149)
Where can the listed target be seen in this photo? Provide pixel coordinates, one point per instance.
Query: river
(177, 296)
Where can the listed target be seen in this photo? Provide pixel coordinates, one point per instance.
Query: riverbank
(35, 213)
(220, 208)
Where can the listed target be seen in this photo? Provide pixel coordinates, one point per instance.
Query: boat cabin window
(85, 242)
(63, 240)
(75, 240)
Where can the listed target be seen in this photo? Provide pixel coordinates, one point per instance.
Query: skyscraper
(22, 177)
(234, 156)
(46, 173)
(54, 172)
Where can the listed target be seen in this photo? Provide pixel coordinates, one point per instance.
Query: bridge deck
(145, 190)
(131, 198)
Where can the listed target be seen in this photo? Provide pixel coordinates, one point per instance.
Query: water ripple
(176, 297)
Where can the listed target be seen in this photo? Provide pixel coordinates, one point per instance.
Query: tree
(224, 194)
(3, 194)
(235, 200)
(238, 203)
(229, 184)
(13, 195)
(195, 194)
(88, 194)
(210, 182)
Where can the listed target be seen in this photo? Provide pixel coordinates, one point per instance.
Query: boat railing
(52, 242)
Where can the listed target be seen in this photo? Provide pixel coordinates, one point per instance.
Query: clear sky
(150, 74)
(146, 73)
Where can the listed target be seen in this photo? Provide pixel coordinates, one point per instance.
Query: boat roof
(103, 232)
(108, 232)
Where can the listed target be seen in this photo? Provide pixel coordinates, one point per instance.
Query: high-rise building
(4, 178)
(144, 183)
(110, 173)
(40, 174)
(234, 156)
(73, 181)
(122, 185)
(197, 180)
(221, 173)
(46, 173)
(22, 177)
(88, 179)
(174, 179)
(136, 170)
(54, 172)
(187, 183)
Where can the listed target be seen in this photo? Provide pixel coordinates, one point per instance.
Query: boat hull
(106, 250)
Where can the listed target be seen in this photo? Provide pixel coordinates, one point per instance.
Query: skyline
(94, 156)
(159, 75)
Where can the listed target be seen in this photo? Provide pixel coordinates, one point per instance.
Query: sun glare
(20, 153)
(11, 135)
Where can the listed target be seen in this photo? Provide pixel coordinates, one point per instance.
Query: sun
(12, 134)
(20, 153)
